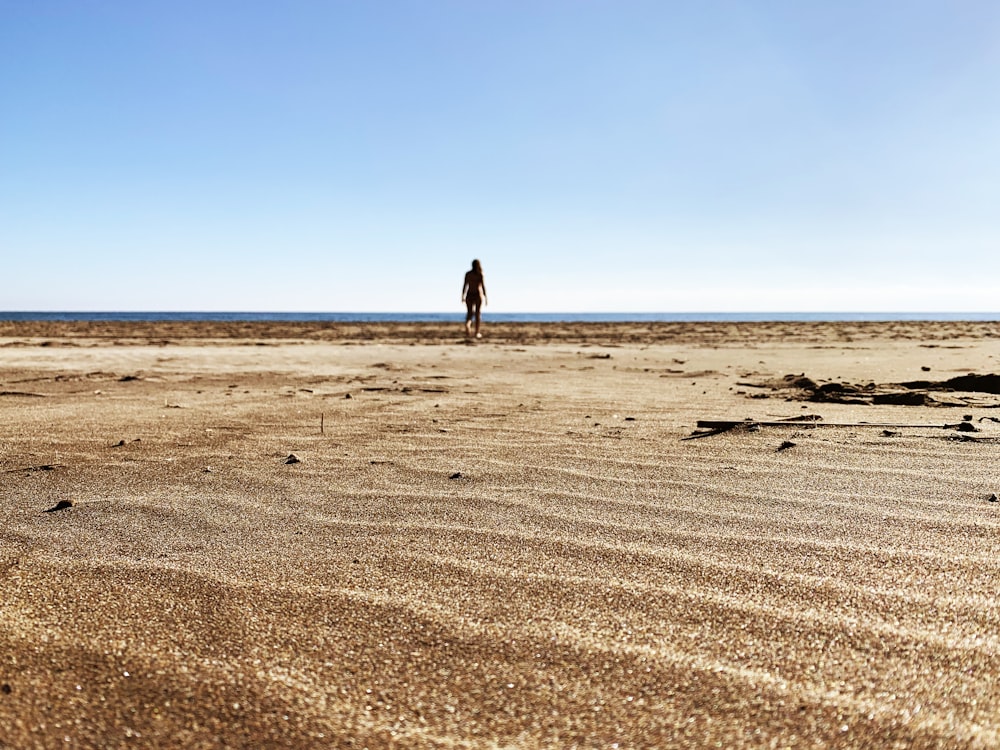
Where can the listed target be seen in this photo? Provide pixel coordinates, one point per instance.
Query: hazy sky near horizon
(596, 155)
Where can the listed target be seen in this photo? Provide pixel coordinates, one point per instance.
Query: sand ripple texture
(491, 546)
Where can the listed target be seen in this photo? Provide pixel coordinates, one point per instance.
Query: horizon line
(237, 311)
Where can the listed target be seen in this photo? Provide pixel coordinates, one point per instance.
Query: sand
(508, 544)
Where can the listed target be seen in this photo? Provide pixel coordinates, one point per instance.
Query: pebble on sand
(293, 459)
(786, 445)
(992, 498)
(61, 505)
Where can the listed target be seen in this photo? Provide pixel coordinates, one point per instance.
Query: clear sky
(596, 155)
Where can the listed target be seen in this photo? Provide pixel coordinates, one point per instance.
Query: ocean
(522, 317)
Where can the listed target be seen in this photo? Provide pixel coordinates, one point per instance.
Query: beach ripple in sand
(502, 562)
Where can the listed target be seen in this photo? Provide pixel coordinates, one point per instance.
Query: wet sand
(507, 544)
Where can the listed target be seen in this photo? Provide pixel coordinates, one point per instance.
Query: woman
(474, 297)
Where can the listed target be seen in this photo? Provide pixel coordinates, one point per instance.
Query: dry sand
(500, 545)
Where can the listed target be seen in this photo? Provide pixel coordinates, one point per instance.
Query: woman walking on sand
(474, 297)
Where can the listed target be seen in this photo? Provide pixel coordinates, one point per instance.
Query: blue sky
(595, 155)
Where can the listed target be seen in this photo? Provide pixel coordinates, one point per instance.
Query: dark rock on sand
(903, 398)
(838, 393)
(977, 383)
(989, 383)
(798, 381)
(838, 388)
(61, 505)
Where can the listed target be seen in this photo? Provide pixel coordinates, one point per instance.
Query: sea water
(501, 317)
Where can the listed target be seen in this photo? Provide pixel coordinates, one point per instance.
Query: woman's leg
(470, 313)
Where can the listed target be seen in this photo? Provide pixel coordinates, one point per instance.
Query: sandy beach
(377, 535)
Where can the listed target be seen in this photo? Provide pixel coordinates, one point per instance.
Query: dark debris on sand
(61, 505)
(912, 393)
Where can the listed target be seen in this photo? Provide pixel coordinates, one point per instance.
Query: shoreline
(32, 333)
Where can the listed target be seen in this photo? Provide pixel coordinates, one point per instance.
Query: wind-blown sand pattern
(502, 545)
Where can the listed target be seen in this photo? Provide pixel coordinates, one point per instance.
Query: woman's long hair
(477, 267)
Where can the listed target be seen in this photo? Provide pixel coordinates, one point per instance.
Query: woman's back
(473, 283)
